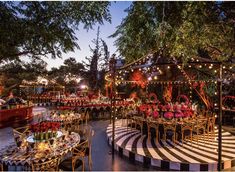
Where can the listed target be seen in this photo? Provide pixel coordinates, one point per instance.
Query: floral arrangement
(44, 130)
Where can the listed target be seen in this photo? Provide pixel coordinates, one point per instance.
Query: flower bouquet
(44, 130)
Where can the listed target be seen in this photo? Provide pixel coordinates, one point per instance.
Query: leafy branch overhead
(45, 28)
(180, 29)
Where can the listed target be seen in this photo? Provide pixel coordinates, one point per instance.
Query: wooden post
(220, 119)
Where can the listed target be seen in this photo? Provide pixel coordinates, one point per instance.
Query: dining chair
(155, 126)
(86, 133)
(199, 129)
(76, 160)
(47, 165)
(211, 126)
(21, 131)
(186, 132)
(169, 129)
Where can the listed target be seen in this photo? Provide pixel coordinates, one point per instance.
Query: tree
(179, 29)
(97, 63)
(68, 74)
(38, 29)
(15, 72)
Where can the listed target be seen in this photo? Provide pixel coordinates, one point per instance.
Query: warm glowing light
(83, 86)
(168, 67)
(155, 77)
(215, 93)
(150, 78)
(215, 71)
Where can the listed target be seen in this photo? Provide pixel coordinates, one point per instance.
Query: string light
(224, 67)
(230, 67)
(215, 71)
(189, 66)
(155, 77)
(168, 67)
(150, 78)
(200, 66)
(215, 93)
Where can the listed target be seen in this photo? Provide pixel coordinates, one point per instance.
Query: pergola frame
(199, 61)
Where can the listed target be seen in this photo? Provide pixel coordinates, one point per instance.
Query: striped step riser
(201, 155)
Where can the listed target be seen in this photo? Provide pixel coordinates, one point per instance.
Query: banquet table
(43, 151)
(63, 118)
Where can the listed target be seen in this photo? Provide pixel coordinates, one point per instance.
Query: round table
(13, 156)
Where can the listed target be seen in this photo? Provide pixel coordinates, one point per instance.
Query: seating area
(194, 153)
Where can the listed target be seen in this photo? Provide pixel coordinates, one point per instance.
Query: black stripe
(123, 135)
(173, 154)
(226, 156)
(116, 131)
(145, 148)
(203, 167)
(216, 146)
(186, 154)
(200, 141)
(184, 167)
(134, 145)
(165, 165)
(120, 151)
(131, 156)
(123, 145)
(147, 161)
(198, 148)
(158, 151)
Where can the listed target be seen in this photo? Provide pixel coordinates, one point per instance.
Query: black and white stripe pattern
(201, 156)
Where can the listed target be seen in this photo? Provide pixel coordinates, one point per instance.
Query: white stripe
(168, 155)
(139, 147)
(204, 151)
(152, 151)
(216, 143)
(180, 153)
(214, 148)
(130, 142)
(119, 131)
(119, 142)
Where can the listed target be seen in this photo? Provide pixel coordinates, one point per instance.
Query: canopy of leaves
(67, 74)
(15, 72)
(42, 28)
(178, 29)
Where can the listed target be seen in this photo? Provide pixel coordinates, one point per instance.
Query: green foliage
(15, 72)
(44, 28)
(180, 29)
(68, 73)
(97, 63)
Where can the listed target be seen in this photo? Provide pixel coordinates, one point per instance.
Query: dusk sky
(84, 38)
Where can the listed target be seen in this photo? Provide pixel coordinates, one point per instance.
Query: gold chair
(211, 126)
(21, 131)
(187, 127)
(169, 129)
(154, 125)
(86, 134)
(48, 165)
(76, 160)
(199, 129)
(138, 121)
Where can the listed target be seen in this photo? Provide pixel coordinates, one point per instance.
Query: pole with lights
(113, 97)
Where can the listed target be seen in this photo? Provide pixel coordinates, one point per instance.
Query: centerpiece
(44, 130)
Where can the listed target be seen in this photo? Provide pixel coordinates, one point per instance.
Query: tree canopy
(179, 29)
(45, 28)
